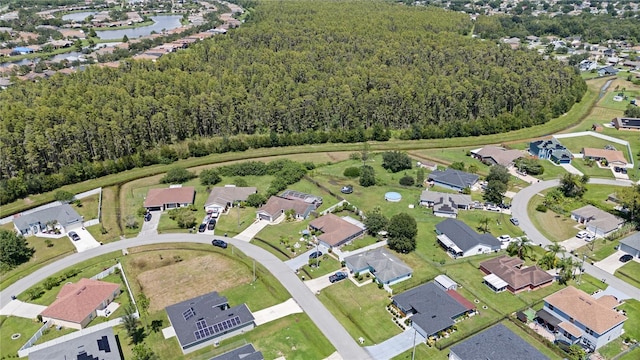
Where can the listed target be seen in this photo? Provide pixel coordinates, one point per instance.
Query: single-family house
(20, 50)
(337, 231)
(101, 344)
(169, 198)
(300, 196)
(550, 149)
(223, 197)
(460, 240)
(607, 70)
(277, 206)
(453, 179)
(579, 318)
(612, 157)
(496, 342)
(77, 304)
(432, 309)
(598, 222)
(445, 205)
(61, 217)
(386, 267)
(588, 65)
(244, 352)
(203, 320)
(631, 245)
(492, 155)
(626, 123)
(506, 273)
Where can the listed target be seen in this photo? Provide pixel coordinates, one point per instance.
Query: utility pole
(413, 353)
(581, 267)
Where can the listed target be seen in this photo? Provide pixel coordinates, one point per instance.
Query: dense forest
(296, 72)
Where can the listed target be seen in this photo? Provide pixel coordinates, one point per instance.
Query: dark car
(337, 277)
(212, 224)
(147, 217)
(202, 227)
(626, 258)
(74, 235)
(315, 254)
(347, 189)
(219, 243)
(514, 221)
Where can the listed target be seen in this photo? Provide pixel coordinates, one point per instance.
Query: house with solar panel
(207, 319)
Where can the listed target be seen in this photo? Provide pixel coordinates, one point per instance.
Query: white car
(504, 238)
(590, 237)
(582, 234)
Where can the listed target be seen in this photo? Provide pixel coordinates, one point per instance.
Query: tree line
(298, 72)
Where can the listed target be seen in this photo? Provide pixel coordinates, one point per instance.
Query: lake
(167, 22)
(78, 17)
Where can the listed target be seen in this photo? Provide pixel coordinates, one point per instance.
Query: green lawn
(53, 332)
(577, 143)
(598, 250)
(88, 207)
(10, 325)
(553, 226)
(551, 171)
(328, 264)
(632, 325)
(360, 243)
(284, 236)
(43, 255)
(592, 171)
(361, 310)
(235, 221)
(630, 272)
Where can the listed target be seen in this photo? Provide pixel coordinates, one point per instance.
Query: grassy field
(553, 226)
(88, 207)
(10, 325)
(576, 144)
(43, 255)
(592, 171)
(598, 250)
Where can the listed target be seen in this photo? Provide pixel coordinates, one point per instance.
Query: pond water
(56, 58)
(77, 17)
(167, 22)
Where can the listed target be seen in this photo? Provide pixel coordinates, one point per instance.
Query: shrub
(49, 242)
(541, 208)
(177, 175)
(407, 181)
(351, 172)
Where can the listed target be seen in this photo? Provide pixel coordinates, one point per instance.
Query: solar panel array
(205, 331)
(188, 314)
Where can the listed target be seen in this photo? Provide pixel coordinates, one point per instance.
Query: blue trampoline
(392, 196)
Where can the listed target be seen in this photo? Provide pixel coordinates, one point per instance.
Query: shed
(446, 282)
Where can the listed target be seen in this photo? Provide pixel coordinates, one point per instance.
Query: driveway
(276, 312)
(396, 345)
(611, 263)
(86, 241)
(322, 282)
(573, 243)
(253, 229)
(22, 309)
(151, 227)
(303, 259)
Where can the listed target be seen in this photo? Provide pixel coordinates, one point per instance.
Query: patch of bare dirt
(187, 279)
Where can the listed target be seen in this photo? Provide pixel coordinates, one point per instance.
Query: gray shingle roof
(435, 309)
(455, 178)
(245, 352)
(212, 308)
(223, 195)
(63, 214)
(99, 344)
(464, 237)
(496, 343)
(632, 241)
(385, 265)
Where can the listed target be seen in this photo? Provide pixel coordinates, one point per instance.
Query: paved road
(519, 210)
(324, 320)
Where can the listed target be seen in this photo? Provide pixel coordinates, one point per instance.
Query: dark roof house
(245, 352)
(460, 240)
(433, 308)
(597, 221)
(34, 222)
(101, 344)
(626, 123)
(200, 321)
(453, 179)
(336, 231)
(550, 149)
(307, 198)
(631, 245)
(495, 343)
(386, 267)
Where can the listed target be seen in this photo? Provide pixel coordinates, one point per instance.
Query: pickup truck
(340, 275)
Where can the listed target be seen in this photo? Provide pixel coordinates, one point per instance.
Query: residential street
(326, 322)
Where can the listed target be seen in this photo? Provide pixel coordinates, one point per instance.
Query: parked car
(74, 235)
(219, 243)
(212, 224)
(215, 213)
(315, 254)
(590, 237)
(340, 275)
(505, 206)
(202, 227)
(347, 189)
(147, 216)
(626, 258)
(514, 221)
(504, 238)
(492, 207)
(582, 234)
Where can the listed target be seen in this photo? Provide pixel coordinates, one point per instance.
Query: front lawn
(361, 310)
(577, 143)
(629, 272)
(592, 171)
(10, 325)
(598, 249)
(553, 226)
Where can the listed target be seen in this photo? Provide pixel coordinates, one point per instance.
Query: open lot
(10, 325)
(553, 226)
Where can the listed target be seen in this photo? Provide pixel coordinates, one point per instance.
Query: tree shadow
(156, 325)
(138, 335)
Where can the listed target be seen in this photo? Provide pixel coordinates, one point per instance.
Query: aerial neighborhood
(247, 180)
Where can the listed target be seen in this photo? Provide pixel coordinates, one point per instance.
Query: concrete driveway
(276, 312)
(22, 309)
(86, 241)
(151, 227)
(253, 229)
(611, 263)
(573, 243)
(303, 259)
(322, 282)
(396, 345)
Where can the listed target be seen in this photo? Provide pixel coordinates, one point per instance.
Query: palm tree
(567, 266)
(553, 250)
(521, 247)
(485, 221)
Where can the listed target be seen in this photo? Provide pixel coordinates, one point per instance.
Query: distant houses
(453, 179)
(223, 197)
(492, 155)
(551, 150)
(625, 123)
(459, 240)
(301, 204)
(612, 157)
